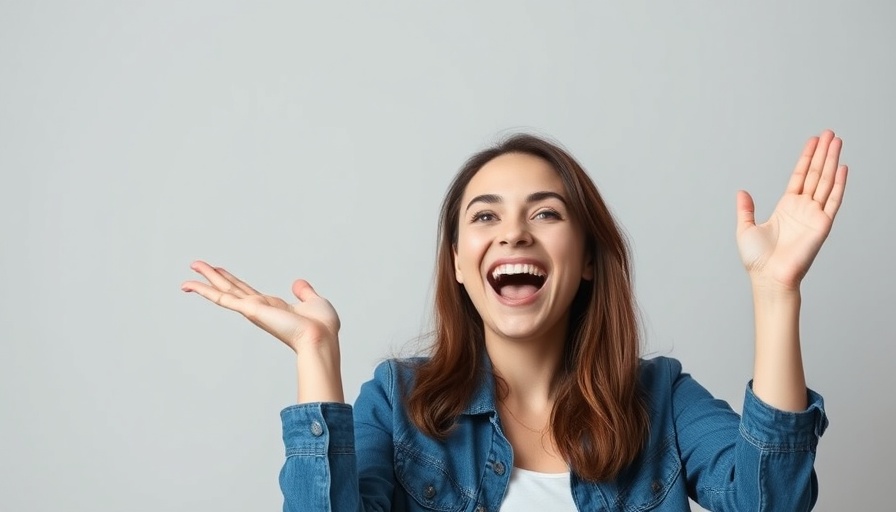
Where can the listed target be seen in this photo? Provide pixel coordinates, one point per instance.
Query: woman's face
(519, 254)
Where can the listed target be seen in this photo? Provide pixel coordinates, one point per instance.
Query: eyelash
(553, 213)
(479, 216)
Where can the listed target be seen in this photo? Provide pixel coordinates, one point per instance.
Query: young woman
(534, 396)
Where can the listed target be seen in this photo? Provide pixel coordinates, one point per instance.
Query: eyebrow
(531, 198)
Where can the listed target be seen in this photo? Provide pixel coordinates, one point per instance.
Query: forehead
(514, 175)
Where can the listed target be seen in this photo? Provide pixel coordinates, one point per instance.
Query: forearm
(778, 378)
(332, 461)
(320, 374)
(320, 470)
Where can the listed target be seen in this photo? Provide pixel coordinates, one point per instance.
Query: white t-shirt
(534, 491)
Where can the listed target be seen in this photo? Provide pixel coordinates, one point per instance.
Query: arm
(321, 469)
(767, 456)
(339, 457)
(778, 377)
(310, 327)
(736, 463)
(777, 255)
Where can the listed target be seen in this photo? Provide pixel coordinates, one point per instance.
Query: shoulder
(660, 378)
(659, 371)
(385, 391)
(666, 387)
(403, 368)
(395, 374)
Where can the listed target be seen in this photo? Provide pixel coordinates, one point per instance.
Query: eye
(485, 216)
(548, 214)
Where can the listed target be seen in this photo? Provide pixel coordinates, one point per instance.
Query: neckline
(540, 474)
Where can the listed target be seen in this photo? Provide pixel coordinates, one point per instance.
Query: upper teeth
(518, 268)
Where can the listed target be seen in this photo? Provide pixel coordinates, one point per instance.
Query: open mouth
(517, 281)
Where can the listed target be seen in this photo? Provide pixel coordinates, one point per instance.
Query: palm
(782, 249)
(310, 320)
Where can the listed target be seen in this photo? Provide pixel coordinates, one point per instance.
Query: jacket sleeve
(762, 461)
(339, 457)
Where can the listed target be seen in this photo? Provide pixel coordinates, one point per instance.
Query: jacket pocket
(647, 482)
(427, 481)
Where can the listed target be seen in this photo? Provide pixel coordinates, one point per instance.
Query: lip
(516, 261)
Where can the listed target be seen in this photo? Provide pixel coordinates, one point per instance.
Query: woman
(534, 396)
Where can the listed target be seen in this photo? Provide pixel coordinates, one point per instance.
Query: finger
(216, 278)
(746, 211)
(831, 164)
(245, 288)
(795, 186)
(817, 163)
(221, 298)
(832, 205)
(303, 290)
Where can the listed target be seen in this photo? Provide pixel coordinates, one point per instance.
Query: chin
(519, 330)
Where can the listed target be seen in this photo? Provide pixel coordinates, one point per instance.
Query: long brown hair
(599, 421)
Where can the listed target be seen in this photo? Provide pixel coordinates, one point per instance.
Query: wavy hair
(599, 421)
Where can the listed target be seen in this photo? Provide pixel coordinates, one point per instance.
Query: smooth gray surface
(291, 139)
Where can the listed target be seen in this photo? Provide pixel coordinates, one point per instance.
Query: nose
(516, 234)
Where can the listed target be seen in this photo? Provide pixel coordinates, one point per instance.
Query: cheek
(468, 254)
(570, 249)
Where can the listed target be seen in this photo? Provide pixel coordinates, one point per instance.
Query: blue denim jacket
(370, 457)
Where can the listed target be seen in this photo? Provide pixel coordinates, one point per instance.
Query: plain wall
(294, 139)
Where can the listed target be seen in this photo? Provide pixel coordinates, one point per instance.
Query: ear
(588, 269)
(458, 276)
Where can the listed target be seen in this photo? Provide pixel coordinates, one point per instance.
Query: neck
(528, 368)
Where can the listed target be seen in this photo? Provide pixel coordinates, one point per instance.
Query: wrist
(774, 291)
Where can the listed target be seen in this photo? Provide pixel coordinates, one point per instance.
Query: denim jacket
(370, 457)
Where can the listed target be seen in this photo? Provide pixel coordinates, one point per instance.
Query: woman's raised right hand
(311, 323)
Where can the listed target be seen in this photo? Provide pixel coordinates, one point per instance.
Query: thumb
(746, 217)
(303, 290)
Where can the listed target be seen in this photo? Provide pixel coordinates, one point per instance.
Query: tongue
(518, 291)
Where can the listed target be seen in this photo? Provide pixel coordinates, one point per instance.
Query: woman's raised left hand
(779, 252)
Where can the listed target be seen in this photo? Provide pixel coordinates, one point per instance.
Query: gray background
(290, 139)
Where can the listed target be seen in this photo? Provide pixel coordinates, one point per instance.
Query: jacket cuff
(318, 429)
(772, 429)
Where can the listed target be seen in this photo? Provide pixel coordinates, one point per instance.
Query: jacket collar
(483, 400)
